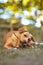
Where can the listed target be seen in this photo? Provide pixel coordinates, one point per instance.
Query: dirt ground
(26, 56)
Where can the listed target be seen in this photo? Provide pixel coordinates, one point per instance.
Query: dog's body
(20, 38)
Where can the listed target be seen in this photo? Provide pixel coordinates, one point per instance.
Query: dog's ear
(32, 38)
(21, 30)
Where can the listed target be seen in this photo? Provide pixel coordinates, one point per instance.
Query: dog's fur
(20, 38)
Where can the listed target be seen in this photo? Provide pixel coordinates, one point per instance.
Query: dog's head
(26, 37)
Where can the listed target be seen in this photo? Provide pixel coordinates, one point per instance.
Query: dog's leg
(7, 46)
(16, 44)
(28, 44)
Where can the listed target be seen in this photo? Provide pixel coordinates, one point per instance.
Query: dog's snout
(26, 40)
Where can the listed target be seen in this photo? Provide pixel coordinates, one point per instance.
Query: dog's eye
(25, 35)
(29, 40)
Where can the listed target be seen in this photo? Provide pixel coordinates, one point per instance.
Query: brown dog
(20, 38)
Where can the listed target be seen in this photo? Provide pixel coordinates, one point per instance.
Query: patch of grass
(21, 56)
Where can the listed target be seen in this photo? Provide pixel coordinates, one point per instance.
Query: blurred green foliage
(18, 6)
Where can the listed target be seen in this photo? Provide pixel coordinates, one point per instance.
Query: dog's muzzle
(23, 43)
(26, 40)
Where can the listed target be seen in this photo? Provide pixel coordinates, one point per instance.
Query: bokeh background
(22, 13)
(15, 14)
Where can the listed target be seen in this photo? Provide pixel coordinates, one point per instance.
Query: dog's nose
(26, 40)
